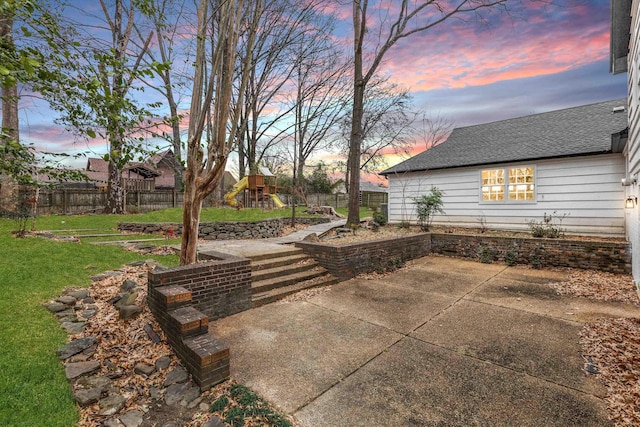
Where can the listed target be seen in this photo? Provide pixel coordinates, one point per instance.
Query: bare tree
(205, 168)
(396, 22)
(432, 129)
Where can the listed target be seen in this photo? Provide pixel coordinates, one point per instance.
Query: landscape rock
(194, 403)
(87, 397)
(313, 237)
(88, 300)
(127, 312)
(74, 347)
(214, 422)
(112, 404)
(97, 381)
(78, 369)
(56, 307)
(177, 375)
(66, 300)
(79, 294)
(155, 393)
(204, 406)
(175, 393)
(67, 312)
(88, 314)
(132, 418)
(112, 422)
(128, 299)
(163, 363)
(190, 394)
(144, 369)
(127, 286)
(73, 327)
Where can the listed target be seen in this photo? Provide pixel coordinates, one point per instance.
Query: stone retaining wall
(347, 261)
(222, 230)
(609, 256)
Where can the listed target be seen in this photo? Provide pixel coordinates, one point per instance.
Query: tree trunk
(355, 141)
(9, 98)
(115, 190)
(177, 145)
(190, 224)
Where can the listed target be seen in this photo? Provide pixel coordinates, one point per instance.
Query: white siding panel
(586, 189)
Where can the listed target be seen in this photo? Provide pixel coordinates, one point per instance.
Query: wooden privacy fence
(68, 201)
(76, 201)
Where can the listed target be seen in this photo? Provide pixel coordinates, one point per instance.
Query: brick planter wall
(222, 230)
(613, 257)
(219, 288)
(183, 299)
(347, 261)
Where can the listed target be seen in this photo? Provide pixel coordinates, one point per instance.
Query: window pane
(522, 184)
(493, 185)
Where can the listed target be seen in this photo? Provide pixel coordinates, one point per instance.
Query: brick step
(187, 321)
(277, 262)
(286, 280)
(277, 254)
(170, 297)
(279, 293)
(284, 270)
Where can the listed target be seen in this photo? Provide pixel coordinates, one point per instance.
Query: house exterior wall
(587, 189)
(632, 151)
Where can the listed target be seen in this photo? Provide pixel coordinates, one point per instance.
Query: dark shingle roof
(574, 131)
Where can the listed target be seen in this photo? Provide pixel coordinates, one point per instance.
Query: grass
(33, 388)
(245, 405)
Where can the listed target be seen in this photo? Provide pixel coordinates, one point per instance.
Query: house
(504, 173)
(135, 175)
(624, 51)
(164, 164)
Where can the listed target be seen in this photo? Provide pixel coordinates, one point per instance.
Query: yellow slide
(277, 201)
(230, 197)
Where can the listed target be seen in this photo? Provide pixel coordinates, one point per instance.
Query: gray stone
(144, 369)
(67, 300)
(204, 406)
(190, 394)
(98, 277)
(170, 424)
(88, 314)
(163, 363)
(214, 422)
(136, 263)
(73, 327)
(55, 307)
(155, 393)
(128, 286)
(113, 273)
(177, 375)
(129, 299)
(112, 404)
(79, 294)
(90, 351)
(127, 312)
(131, 418)
(64, 313)
(75, 347)
(68, 317)
(78, 369)
(97, 381)
(87, 397)
(313, 237)
(112, 422)
(88, 300)
(194, 403)
(175, 393)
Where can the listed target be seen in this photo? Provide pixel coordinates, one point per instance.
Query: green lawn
(33, 388)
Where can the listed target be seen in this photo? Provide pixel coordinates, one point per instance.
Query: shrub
(427, 206)
(379, 218)
(546, 227)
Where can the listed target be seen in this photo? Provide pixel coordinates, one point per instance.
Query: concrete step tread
(276, 254)
(277, 262)
(286, 280)
(279, 293)
(283, 270)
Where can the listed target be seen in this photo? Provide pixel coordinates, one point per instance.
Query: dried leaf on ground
(599, 286)
(613, 345)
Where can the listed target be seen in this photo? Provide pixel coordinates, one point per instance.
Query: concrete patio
(445, 342)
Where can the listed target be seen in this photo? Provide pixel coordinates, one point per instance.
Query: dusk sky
(548, 57)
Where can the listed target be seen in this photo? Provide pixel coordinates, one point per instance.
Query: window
(519, 184)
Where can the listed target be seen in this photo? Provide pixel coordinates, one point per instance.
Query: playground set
(259, 190)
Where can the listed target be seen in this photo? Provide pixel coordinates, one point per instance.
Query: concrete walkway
(251, 247)
(445, 342)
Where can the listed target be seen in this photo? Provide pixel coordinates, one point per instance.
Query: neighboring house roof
(619, 37)
(371, 187)
(588, 129)
(97, 165)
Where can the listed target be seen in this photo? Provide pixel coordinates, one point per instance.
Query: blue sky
(549, 57)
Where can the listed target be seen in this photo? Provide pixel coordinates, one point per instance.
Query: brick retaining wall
(222, 230)
(347, 261)
(219, 288)
(609, 256)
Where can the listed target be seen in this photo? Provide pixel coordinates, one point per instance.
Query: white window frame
(505, 186)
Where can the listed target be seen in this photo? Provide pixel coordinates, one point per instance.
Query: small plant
(404, 224)
(546, 227)
(391, 265)
(220, 404)
(427, 206)
(537, 257)
(510, 257)
(379, 218)
(482, 221)
(486, 254)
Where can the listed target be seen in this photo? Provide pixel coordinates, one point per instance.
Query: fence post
(138, 200)
(173, 198)
(64, 201)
